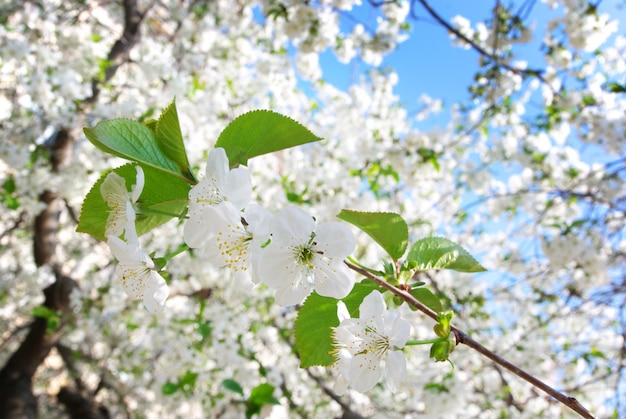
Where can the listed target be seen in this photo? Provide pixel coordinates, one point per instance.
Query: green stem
(424, 342)
(181, 249)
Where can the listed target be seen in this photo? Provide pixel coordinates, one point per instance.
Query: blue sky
(428, 63)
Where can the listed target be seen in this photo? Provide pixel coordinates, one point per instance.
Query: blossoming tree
(300, 268)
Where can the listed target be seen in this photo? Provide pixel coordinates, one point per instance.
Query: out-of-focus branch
(16, 397)
(528, 72)
(79, 405)
(119, 53)
(348, 413)
(79, 402)
(462, 337)
(16, 224)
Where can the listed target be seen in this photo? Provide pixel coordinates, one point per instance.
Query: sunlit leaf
(434, 253)
(133, 141)
(388, 229)
(260, 132)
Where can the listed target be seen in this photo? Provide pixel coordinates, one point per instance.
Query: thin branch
(348, 413)
(16, 224)
(479, 49)
(462, 337)
(494, 48)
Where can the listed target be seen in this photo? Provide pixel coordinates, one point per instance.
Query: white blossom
(114, 192)
(136, 269)
(219, 185)
(236, 238)
(364, 344)
(302, 256)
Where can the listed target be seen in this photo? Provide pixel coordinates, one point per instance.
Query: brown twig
(462, 337)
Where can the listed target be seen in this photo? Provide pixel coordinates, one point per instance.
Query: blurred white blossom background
(527, 172)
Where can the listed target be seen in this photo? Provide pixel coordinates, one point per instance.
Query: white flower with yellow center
(363, 344)
(236, 238)
(116, 196)
(303, 256)
(136, 269)
(219, 185)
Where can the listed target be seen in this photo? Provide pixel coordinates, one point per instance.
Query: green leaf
(43, 312)
(9, 185)
(133, 141)
(170, 139)
(169, 388)
(440, 351)
(388, 229)
(232, 385)
(8, 193)
(260, 132)
(162, 192)
(52, 317)
(260, 396)
(616, 88)
(315, 319)
(440, 253)
(426, 297)
(188, 380)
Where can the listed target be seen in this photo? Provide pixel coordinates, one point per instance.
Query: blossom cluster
(288, 252)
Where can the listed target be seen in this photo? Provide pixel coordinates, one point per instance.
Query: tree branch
(483, 52)
(80, 405)
(119, 53)
(16, 397)
(462, 337)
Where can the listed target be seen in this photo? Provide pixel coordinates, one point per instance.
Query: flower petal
(365, 371)
(113, 189)
(156, 292)
(395, 369)
(277, 267)
(217, 165)
(342, 311)
(228, 242)
(139, 183)
(333, 280)
(373, 307)
(400, 329)
(258, 219)
(342, 366)
(291, 295)
(237, 187)
(292, 226)
(335, 240)
(205, 193)
(115, 195)
(133, 276)
(124, 252)
(197, 228)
